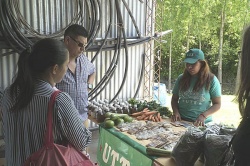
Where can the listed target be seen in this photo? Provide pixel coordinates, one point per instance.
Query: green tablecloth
(117, 149)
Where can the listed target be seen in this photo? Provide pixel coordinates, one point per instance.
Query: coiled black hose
(132, 17)
(101, 82)
(12, 26)
(141, 76)
(94, 23)
(119, 16)
(11, 38)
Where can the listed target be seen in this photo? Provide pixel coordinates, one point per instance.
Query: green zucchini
(158, 152)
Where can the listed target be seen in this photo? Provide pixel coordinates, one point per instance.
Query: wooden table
(160, 161)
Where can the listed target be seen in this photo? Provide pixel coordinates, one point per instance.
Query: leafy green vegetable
(164, 111)
(133, 101)
(151, 105)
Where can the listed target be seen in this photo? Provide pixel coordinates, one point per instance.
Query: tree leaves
(196, 24)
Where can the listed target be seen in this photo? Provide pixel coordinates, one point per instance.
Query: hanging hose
(9, 35)
(106, 83)
(96, 27)
(107, 33)
(30, 30)
(95, 24)
(113, 65)
(13, 25)
(111, 68)
(119, 15)
(141, 76)
(12, 21)
(132, 17)
(110, 47)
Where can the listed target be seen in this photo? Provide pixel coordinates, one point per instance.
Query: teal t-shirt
(192, 104)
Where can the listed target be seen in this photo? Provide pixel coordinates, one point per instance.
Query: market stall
(116, 149)
(122, 148)
(141, 134)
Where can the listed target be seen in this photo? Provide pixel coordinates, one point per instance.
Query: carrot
(160, 118)
(139, 117)
(158, 115)
(156, 119)
(143, 116)
(136, 114)
(151, 112)
(145, 110)
(153, 118)
(150, 117)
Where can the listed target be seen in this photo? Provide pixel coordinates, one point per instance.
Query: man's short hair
(75, 30)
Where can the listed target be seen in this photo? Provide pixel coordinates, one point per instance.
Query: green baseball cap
(193, 55)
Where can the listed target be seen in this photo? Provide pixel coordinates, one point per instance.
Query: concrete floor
(92, 148)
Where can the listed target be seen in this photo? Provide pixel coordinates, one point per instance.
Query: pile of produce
(98, 109)
(138, 106)
(114, 119)
(146, 114)
(117, 112)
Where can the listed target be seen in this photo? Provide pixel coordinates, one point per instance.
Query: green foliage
(164, 111)
(133, 101)
(151, 105)
(196, 24)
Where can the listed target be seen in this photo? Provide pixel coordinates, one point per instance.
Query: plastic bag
(189, 147)
(227, 157)
(214, 148)
(227, 130)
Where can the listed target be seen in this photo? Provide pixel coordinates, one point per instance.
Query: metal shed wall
(50, 17)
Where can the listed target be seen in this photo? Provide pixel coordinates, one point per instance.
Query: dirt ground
(228, 114)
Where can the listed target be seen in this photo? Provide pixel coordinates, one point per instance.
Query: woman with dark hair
(25, 103)
(241, 140)
(197, 92)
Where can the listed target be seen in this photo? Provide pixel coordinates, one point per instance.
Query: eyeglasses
(78, 43)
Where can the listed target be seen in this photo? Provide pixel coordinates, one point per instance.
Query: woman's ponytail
(22, 88)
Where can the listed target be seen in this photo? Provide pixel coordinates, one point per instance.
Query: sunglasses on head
(78, 43)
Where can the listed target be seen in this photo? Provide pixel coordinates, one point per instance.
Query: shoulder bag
(52, 154)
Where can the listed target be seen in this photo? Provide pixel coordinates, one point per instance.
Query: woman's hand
(174, 103)
(200, 121)
(176, 117)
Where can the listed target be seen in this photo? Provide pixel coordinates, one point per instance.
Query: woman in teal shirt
(197, 92)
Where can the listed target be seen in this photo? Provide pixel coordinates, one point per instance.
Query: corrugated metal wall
(7, 68)
(48, 18)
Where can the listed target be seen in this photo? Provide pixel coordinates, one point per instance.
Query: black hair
(75, 30)
(244, 87)
(32, 63)
(205, 76)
